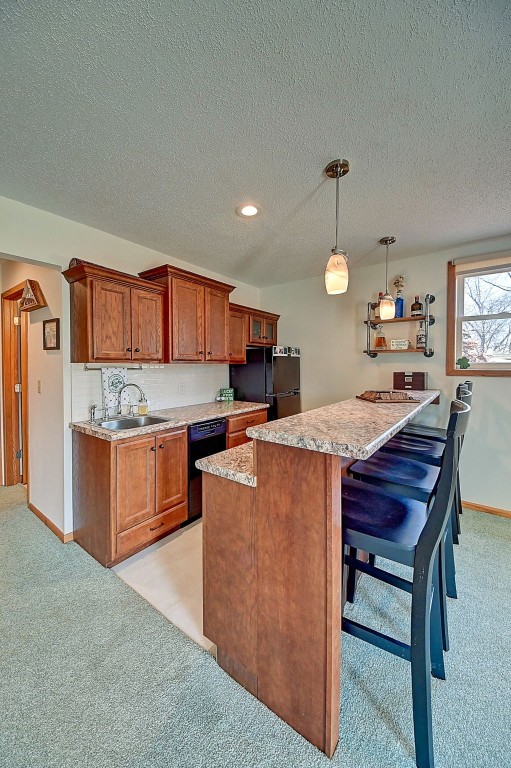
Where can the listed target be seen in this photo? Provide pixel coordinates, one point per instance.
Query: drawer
(143, 534)
(237, 438)
(245, 420)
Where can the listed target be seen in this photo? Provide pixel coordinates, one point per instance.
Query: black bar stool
(398, 529)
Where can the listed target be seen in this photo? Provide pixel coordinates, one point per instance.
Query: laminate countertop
(235, 464)
(353, 428)
(174, 417)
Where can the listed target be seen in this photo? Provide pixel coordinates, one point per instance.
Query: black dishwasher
(204, 439)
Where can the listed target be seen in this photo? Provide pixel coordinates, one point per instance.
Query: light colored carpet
(91, 676)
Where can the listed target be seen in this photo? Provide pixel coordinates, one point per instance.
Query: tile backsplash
(165, 386)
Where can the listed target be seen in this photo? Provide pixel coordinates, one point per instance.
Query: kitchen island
(272, 556)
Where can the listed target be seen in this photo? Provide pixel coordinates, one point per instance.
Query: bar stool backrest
(441, 498)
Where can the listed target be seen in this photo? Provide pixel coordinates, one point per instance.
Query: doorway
(14, 387)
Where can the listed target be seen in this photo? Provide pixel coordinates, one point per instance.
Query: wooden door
(256, 329)
(111, 321)
(270, 332)
(15, 387)
(237, 337)
(171, 470)
(146, 325)
(216, 325)
(187, 320)
(135, 482)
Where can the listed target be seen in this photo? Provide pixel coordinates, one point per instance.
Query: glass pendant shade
(387, 307)
(336, 273)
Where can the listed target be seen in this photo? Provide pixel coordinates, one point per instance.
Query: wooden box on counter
(410, 380)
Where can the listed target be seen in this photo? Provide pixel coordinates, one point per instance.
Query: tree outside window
(479, 327)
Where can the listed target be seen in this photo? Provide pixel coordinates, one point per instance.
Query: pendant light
(336, 273)
(387, 303)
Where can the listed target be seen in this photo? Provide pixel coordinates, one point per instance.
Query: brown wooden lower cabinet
(237, 426)
(128, 493)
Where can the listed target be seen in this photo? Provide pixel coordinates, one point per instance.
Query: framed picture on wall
(51, 333)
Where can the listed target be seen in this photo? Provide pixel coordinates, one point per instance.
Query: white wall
(45, 457)
(331, 334)
(36, 237)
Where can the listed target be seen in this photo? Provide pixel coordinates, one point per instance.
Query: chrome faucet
(141, 399)
(92, 412)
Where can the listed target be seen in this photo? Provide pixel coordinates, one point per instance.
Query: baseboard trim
(64, 537)
(488, 510)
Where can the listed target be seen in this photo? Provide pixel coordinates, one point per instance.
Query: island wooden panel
(298, 508)
(230, 576)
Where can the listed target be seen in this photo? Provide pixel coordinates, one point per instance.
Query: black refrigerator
(270, 375)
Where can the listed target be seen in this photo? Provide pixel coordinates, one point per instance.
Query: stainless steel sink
(130, 422)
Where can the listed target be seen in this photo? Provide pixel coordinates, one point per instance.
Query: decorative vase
(400, 305)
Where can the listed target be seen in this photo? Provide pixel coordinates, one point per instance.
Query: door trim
(9, 378)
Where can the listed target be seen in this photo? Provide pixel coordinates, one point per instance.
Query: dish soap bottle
(380, 342)
(421, 336)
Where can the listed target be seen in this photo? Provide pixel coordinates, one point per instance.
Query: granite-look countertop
(354, 428)
(175, 417)
(235, 464)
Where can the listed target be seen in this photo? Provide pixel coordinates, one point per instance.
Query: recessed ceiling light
(247, 211)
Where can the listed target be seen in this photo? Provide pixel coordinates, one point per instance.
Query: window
(479, 316)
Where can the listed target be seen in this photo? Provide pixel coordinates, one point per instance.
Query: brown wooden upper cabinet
(260, 327)
(114, 316)
(238, 336)
(196, 315)
(262, 330)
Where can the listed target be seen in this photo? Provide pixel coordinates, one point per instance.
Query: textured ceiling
(154, 119)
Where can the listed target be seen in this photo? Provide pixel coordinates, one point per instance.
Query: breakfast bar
(272, 555)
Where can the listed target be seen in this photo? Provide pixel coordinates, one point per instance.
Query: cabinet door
(256, 329)
(187, 320)
(146, 325)
(135, 474)
(111, 321)
(171, 470)
(270, 332)
(237, 337)
(217, 325)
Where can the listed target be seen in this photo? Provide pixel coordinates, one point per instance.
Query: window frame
(454, 319)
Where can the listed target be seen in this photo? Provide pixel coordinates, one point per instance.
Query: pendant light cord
(386, 268)
(337, 209)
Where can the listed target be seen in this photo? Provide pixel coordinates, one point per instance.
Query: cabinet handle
(200, 352)
(153, 448)
(250, 421)
(210, 353)
(157, 526)
(230, 354)
(161, 445)
(128, 349)
(137, 349)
